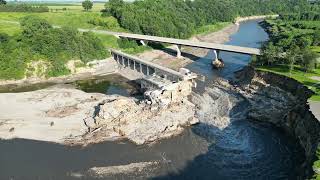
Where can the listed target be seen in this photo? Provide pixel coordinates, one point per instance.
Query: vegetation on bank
(293, 49)
(39, 41)
(13, 7)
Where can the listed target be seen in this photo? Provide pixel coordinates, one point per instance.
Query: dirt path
(315, 108)
(317, 78)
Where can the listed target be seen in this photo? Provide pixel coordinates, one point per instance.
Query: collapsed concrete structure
(160, 91)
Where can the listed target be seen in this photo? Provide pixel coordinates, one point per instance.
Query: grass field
(9, 28)
(316, 49)
(73, 19)
(298, 75)
(74, 7)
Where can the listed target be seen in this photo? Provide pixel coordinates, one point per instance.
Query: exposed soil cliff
(283, 102)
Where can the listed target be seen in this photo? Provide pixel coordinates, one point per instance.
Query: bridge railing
(145, 67)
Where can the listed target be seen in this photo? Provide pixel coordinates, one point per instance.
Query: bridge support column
(178, 48)
(134, 65)
(148, 71)
(115, 57)
(118, 60)
(143, 43)
(216, 55)
(140, 67)
(122, 61)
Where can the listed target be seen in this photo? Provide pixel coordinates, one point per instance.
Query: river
(243, 150)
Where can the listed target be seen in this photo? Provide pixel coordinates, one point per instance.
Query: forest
(180, 19)
(40, 41)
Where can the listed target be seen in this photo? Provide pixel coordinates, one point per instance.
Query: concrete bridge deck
(182, 42)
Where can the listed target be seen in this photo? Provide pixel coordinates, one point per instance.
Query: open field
(316, 49)
(9, 28)
(308, 79)
(75, 7)
(73, 19)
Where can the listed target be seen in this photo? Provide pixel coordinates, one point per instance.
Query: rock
(140, 123)
(218, 63)
(132, 168)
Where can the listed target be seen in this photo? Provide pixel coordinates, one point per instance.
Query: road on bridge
(205, 45)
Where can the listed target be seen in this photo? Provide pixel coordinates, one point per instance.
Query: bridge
(181, 42)
(144, 67)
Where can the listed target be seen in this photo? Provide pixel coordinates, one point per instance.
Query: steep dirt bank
(94, 68)
(284, 102)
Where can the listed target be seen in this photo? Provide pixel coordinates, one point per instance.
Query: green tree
(309, 60)
(4, 38)
(32, 25)
(292, 56)
(270, 53)
(115, 7)
(316, 38)
(87, 5)
(3, 2)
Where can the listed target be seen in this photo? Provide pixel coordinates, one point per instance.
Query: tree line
(12, 7)
(40, 41)
(180, 18)
(290, 43)
(303, 16)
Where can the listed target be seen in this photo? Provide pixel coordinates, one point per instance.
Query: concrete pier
(178, 48)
